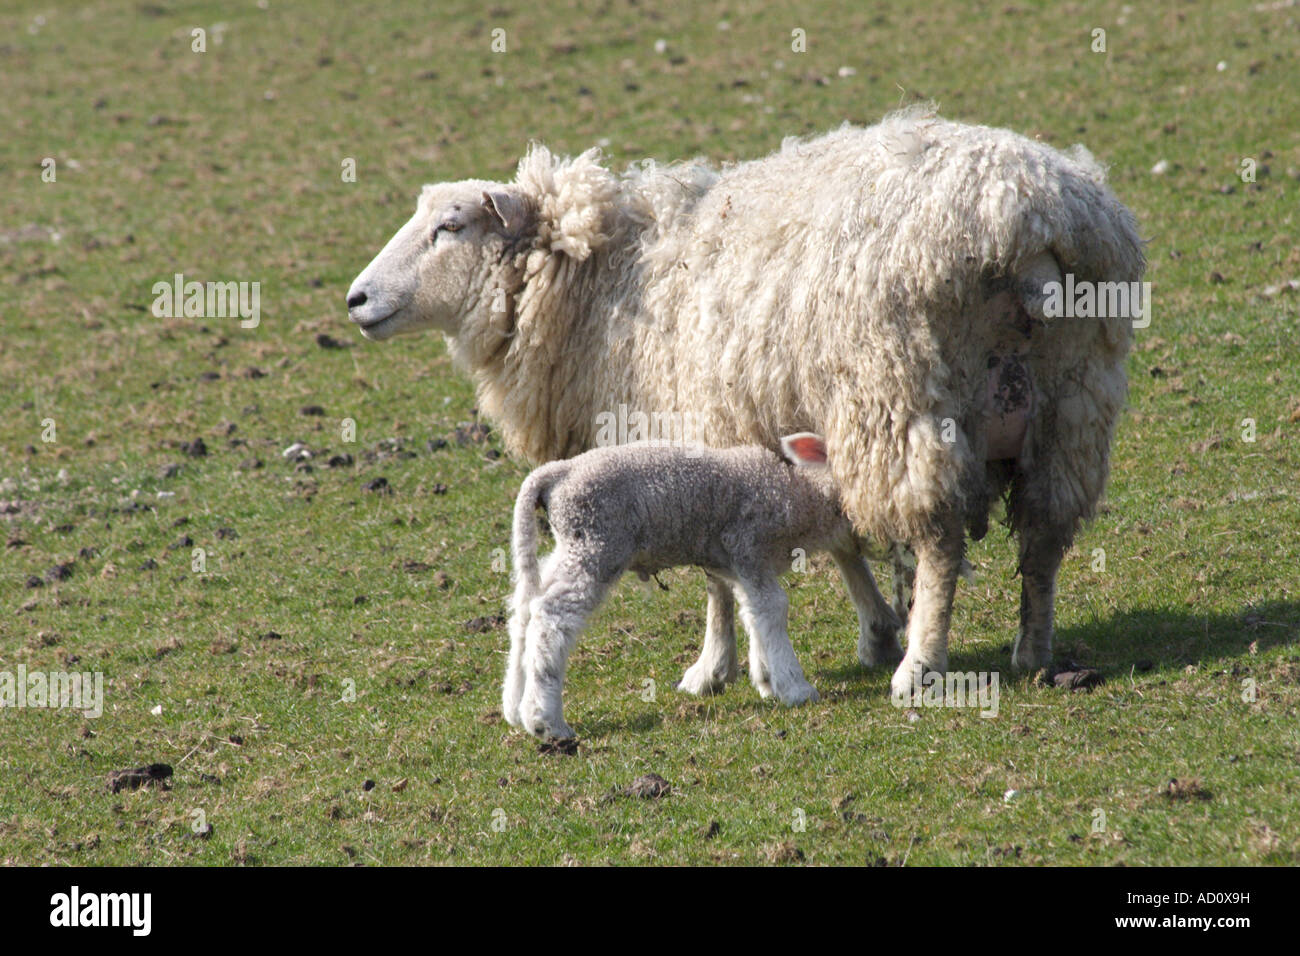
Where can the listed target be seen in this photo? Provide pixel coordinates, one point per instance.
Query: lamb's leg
(938, 561)
(764, 609)
(878, 625)
(759, 675)
(513, 687)
(555, 620)
(717, 666)
(1041, 550)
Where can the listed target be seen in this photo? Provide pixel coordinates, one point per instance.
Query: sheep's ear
(804, 448)
(511, 212)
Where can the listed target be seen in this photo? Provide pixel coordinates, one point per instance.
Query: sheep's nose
(356, 299)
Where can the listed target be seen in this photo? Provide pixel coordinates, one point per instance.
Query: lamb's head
(804, 449)
(440, 269)
(807, 452)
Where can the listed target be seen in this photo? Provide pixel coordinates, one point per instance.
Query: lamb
(739, 513)
(879, 286)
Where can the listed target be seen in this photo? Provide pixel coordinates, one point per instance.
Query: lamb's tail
(535, 491)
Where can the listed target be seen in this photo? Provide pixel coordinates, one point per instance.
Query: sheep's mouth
(375, 328)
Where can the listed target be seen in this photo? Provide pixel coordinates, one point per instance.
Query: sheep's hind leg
(555, 620)
(938, 561)
(1041, 550)
(716, 667)
(878, 625)
(764, 609)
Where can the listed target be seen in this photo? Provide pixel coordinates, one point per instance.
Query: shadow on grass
(1149, 640)
(742, 701)
(604, 726)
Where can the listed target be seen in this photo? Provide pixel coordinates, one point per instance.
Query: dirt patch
(1070, 675)
(1189, 789)
(153, 775)
(556, 746)
(783, 852)
(648, 786)
(1081, 679)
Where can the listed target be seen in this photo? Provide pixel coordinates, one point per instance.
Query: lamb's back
(668, 507)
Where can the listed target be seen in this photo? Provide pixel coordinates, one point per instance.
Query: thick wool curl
(841, 285)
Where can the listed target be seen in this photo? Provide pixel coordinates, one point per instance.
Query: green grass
(226, 165)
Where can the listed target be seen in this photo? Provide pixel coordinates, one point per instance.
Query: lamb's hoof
(537, 722)
(699, 687)
(805, 694)
(702, 683)
(909, 681)
(551, 729)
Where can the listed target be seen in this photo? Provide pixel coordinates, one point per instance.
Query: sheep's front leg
(717, 665)
(878, 625)
(1041, 550)
(904, 578)
(938, 561)
(554, 622)
(764, 608)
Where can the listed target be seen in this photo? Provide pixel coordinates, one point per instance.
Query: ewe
(738, 513)
(883, 287)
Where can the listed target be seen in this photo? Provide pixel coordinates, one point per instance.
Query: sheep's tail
(535, 491)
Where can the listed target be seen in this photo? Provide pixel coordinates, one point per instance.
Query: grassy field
(326, 688)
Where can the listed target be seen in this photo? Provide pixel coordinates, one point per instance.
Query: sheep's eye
(447, 227)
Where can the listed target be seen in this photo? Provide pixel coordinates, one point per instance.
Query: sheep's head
(437, 271)
(453, 263)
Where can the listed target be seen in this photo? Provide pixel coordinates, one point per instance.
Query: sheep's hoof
(1028, 658)
(807, 694)
(875, 649)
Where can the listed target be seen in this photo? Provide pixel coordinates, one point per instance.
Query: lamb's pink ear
(510, 210)
(804, 448)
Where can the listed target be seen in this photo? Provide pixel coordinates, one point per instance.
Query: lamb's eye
(446, 227)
